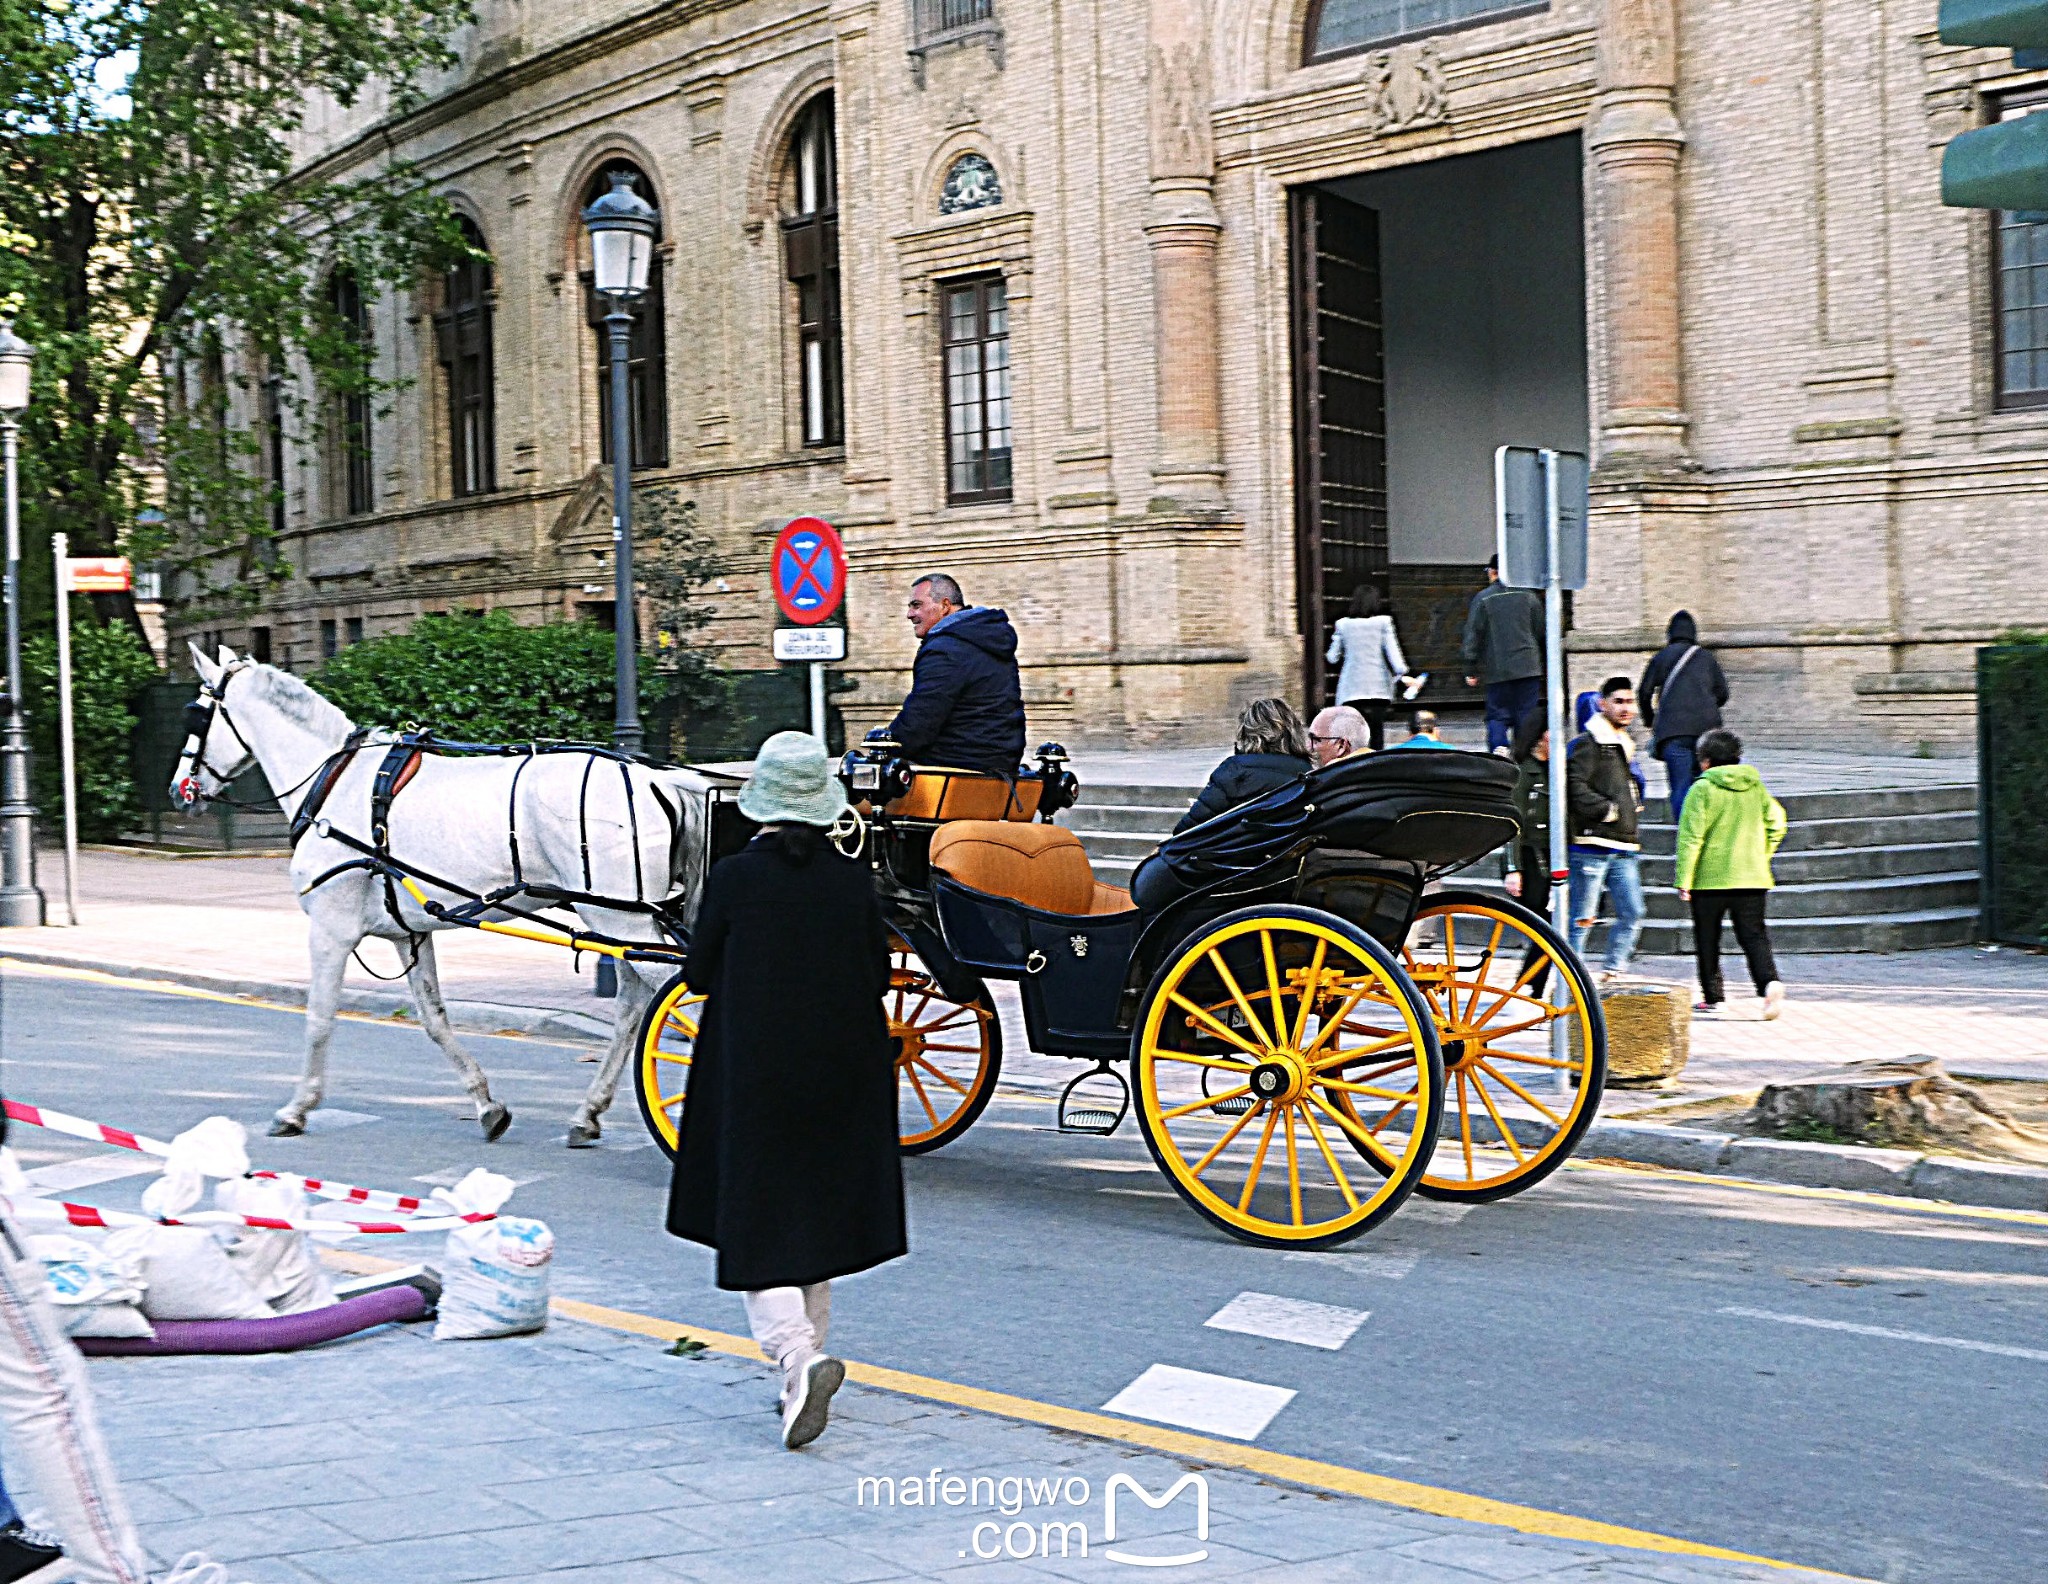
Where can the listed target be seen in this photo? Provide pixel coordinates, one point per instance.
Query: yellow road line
(1307, 1472)
(1850, 1196)
(172, 987)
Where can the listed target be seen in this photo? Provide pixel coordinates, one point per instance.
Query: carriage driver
(966, 708)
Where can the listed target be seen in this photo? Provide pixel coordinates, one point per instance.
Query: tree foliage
(161, 247)
(110, 666)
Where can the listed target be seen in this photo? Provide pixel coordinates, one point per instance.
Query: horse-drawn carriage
(1310, 1028)
(1307, 1026)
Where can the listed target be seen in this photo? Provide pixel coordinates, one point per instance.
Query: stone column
(1183, 229)
(1635, 141)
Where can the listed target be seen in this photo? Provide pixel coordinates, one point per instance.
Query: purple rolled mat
(278, 1334)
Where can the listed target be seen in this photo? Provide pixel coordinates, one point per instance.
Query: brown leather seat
(939, 793)
(1041, 866)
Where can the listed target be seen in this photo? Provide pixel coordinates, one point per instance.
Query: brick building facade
(1163, 323)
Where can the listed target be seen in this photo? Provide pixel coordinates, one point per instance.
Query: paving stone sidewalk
(590, 1455)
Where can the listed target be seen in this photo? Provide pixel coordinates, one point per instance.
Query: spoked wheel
(1256, 1037)
(661, 1066)
(948, 1057)
(1524, 1043)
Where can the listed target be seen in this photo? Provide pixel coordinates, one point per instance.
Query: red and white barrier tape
(57, 1211)
(100, 1133)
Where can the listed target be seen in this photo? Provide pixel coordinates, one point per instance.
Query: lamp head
(16, 356)
(622, 227)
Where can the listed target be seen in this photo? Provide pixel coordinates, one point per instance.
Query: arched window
(810, 248)
(351, 443)
(1341, 27)
(646, 344)
(463, 330)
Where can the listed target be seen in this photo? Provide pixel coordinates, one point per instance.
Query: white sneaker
(1774, 1000)
(810, 1398)
(196, 1567)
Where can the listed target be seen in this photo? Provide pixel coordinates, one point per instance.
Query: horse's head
(214, 752)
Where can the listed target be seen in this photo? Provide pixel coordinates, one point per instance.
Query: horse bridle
(199, 718)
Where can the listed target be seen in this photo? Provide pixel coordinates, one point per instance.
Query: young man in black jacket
(1604, 803)
(966, 706)
(1681, 695)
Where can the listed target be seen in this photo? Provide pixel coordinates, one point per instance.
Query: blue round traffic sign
(808, 568)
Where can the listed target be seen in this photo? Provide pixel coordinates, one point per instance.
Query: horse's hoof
(583, 1136)
(281, 1128)
(494, 1120)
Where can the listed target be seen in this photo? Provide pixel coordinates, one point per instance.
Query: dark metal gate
(1340, 418)
(2012, 768)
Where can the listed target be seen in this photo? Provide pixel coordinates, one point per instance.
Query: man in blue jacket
(966, 708)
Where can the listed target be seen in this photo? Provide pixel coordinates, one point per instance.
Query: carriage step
(1086, 1113)
(1233, 1108)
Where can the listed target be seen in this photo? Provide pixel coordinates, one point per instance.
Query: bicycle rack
(1088, 1115)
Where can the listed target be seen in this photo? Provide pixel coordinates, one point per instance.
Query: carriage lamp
(622, 227)
(20, 901)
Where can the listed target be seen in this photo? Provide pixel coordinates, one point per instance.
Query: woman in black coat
(788, 1162)
(1680, 697)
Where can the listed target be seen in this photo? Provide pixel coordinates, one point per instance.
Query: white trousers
(48, 1432)
(790, 1322)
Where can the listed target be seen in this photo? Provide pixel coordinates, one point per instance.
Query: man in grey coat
(1503, 649)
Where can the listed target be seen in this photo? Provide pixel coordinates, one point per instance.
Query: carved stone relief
(1183, 142)
(1407, 87)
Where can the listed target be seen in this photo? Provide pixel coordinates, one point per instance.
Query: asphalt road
(1846, 1387)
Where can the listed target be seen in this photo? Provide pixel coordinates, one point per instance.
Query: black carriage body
(1358, 840)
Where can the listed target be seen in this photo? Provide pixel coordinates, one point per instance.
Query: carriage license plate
(867, 777)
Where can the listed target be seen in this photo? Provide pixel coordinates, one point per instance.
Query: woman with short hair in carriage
(788, 1163)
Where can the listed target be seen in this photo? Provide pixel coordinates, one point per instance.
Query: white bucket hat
(793, 783)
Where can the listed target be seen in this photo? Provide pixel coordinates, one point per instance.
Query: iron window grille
(2019, 290)
(463, 329)
(936, 24)
(810, 248)
(358, 493)
(1344, 27)
(975, 325)
(646, 347)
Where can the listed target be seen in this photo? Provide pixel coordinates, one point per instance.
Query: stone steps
(1880, 870)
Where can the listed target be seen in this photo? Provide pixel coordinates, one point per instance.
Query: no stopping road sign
(808, 570)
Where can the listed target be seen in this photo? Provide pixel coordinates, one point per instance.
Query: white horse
(581, 822)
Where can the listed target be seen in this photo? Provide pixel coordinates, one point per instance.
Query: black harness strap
(323, 783)
(583, 817)
(632, 825)
(512, 815)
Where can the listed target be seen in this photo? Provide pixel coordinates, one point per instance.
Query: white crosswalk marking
(89, 1170)
(1213, 1404)
(1391, 1267)
(1280, 1319)
(331, 1119)
(1968, 1344)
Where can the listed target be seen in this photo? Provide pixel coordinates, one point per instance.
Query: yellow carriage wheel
(1255, 1036)
(948, 1057)
(661, 1068)
(1523, 1039)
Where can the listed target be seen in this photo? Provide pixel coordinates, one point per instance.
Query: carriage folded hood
(1442, 810)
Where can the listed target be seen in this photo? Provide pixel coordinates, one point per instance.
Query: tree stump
(1910, 1102)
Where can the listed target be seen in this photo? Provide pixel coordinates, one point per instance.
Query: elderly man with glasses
(1337, 733)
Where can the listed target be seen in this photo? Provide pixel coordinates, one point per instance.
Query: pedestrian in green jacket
(1727, 836)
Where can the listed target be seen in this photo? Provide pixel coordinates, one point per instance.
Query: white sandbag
(282, 1269)
(494, 1274)
(217, 1147)
(95, 1290)
(187, 1275)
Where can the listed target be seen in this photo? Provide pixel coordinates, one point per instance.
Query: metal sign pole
(61, 544)
(1553, 676)
(818, 700)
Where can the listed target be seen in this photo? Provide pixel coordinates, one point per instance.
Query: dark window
(934, 18)
(977, 342)
(358, 494)
(273, 446)
(330, 641)
(259, 645)
(352, 629)
(810, 247)
(1340, 27)
(646, 347)
(463, 327)
(2020, 290)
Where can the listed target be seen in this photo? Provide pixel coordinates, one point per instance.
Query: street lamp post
(20, 901)
(622, 228)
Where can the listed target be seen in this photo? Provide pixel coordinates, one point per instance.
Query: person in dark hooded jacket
(1680, 697)
(966, 706)
(1272, 749)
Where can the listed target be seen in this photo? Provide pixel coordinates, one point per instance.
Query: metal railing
(934, 19)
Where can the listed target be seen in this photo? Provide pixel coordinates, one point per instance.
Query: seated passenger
(965, 708)
(1338, 733)
(1272, 749)
(1425, 735)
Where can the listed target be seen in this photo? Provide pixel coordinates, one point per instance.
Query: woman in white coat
(1367, 652)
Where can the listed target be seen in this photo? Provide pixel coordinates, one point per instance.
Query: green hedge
(110, 668)
(2012, 750)
(486, 679)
